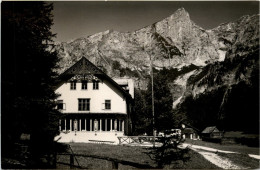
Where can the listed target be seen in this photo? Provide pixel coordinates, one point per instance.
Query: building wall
(97, 98)
(128, 82)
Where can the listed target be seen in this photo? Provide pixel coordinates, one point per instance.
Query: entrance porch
(90, 127)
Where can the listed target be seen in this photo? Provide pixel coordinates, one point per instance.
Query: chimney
(102, 68)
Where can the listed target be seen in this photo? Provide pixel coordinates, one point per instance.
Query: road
(212, 155)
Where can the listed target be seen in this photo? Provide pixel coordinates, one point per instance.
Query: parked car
(173, 133)
(160, 134)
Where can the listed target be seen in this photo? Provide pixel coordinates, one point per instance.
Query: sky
(77, 19)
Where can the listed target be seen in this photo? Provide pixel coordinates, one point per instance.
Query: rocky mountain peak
(180, 14)
(173, 42)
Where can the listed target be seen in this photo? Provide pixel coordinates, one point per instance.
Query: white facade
(97, 98)
(93, 111)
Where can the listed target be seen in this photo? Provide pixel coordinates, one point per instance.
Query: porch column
(100, 125)
(123, 126)
(65, 124)
(120, 125)
(105, 124)
(86, 124)
(60, 125)
(90, 124)
(70, 125)
(115, 124)
(79, 124)
(111, 125)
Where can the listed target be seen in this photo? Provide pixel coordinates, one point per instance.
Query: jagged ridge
(173, 42)
(226, 55)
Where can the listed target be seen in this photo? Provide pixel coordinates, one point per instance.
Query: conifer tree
(28, 61)
(162, 102)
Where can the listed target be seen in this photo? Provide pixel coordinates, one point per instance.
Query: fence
(137, 139)
(114, 162)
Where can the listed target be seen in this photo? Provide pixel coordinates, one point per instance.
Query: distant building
(95, 107)
(211, 132)
(189, 132)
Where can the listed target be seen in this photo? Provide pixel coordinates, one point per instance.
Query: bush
(252, 142)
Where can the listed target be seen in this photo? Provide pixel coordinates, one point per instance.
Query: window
(84, 104)
(84, 85)
(61, 105)
(95, 85)
(73, 85)
(107, 104)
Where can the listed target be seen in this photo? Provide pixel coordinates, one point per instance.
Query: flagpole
(151, 74)
(152, 101)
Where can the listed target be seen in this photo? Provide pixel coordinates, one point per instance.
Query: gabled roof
(189, 125)
(188, 130)
(210, 129)
(85, 67)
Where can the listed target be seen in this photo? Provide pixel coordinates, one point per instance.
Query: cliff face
(225, 56)
(175, 41)
(239, 41)
(228, 90)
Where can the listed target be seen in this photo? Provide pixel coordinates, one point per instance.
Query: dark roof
(188, 130)
(189, 125)
(210, 129)
(85, 67)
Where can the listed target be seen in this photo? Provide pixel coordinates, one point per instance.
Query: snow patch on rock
(182, 80)
(222, 55)
(199, 62)
(174, 105)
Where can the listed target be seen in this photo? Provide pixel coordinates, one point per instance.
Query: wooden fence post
(71, 161)
(55, 160)
(114, 165)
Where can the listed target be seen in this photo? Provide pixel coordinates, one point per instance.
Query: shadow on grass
(62, 148)
(94, 161)
(168, 153)
(19, 156)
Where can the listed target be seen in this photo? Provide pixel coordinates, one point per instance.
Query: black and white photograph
(130, 85)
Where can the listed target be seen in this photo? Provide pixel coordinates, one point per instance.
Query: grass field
(231, 147)
(136, 154)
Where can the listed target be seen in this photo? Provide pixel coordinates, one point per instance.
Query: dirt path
(219, 161)
(254, 156)
(210, 155)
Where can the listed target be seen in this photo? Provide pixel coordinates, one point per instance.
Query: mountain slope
(173, 42)
(228, 91)
(222, 64)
